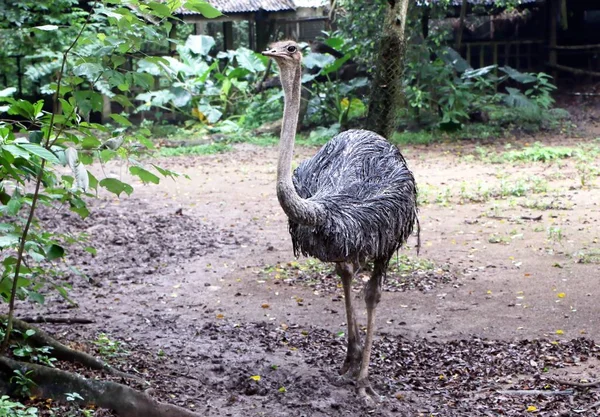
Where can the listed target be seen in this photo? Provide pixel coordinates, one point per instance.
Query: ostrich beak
(270, 53)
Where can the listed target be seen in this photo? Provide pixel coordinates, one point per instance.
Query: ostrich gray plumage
(353, 201)
(369, 197)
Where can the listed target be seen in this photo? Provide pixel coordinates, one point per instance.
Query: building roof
(248, 6)
(478, 2)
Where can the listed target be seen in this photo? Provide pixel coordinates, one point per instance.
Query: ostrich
(352, 202)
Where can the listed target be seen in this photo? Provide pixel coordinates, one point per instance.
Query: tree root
(57, 320)
(62, 352)
(126, 402)
(577, 384)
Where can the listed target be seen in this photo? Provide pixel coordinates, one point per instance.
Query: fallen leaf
(282, 389)
(220, 316)
(255, 377)
(265, 305)
(561, 295)
(531, 409)
(560, 332)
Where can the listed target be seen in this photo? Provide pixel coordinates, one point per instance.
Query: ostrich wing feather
(369, 195)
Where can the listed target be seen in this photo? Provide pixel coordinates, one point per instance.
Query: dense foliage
(87, 63)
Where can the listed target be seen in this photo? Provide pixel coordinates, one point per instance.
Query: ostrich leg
(353, 355)
(372, 297)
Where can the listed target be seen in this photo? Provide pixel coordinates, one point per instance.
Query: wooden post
(481, 56)
(262, 35)
(552, 59)
(495, 53)
(172, 45)
(469, 54)
(227, 36)
(19, 78)
(461, 25)
(251, 36)
(425, 21)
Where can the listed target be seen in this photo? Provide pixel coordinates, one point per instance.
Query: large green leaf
(54, 251)
(89, 69)
(160, 9)
(116, 187)
(249, 60)
(200, 44)
(518, 76)
(9, 240)
(40, 151)
(145, 175)
(316, 60)
(122, 120)
(202, 7)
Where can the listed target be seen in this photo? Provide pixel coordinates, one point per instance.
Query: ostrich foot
(367, 394)
(353, 361)
(351, 368)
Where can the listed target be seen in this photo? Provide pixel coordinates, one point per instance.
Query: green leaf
(9, 240)
(145, 175)
(22, 108)
(36, 136)
(200, 44)
(89, 70)
(202, 7)
(249, 60)
(15, 151)
(90, 250)
(14, 205)
(317, 60)
(36, 297)
(39, 151)
(212, 113)
(122, 120)
(116, 187)
(160, 9)
(54, 252)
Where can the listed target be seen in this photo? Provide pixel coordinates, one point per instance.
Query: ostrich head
(288, 57)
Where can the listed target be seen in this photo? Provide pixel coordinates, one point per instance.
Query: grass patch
(589, 256)
(539, 153)
(208, 149)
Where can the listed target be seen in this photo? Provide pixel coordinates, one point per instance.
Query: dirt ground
(198, 278)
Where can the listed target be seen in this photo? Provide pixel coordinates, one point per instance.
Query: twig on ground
(535, 219)
(535, 392)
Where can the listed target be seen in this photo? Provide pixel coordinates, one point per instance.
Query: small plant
(108, 348)
(23, 382)
(496, 238)
(555, 234)
(73, 396)
(9, 408)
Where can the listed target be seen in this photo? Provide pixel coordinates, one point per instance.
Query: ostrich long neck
(296, 208)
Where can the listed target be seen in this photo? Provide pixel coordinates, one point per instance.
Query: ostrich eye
(291, 49)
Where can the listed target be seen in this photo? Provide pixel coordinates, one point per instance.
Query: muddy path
(197, 277)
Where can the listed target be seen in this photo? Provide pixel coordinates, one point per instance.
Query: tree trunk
(386, 91)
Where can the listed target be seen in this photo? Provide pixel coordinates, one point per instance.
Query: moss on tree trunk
(387, 97)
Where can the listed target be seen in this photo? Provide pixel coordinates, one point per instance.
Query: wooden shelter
(299, 19)
(561, 36)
